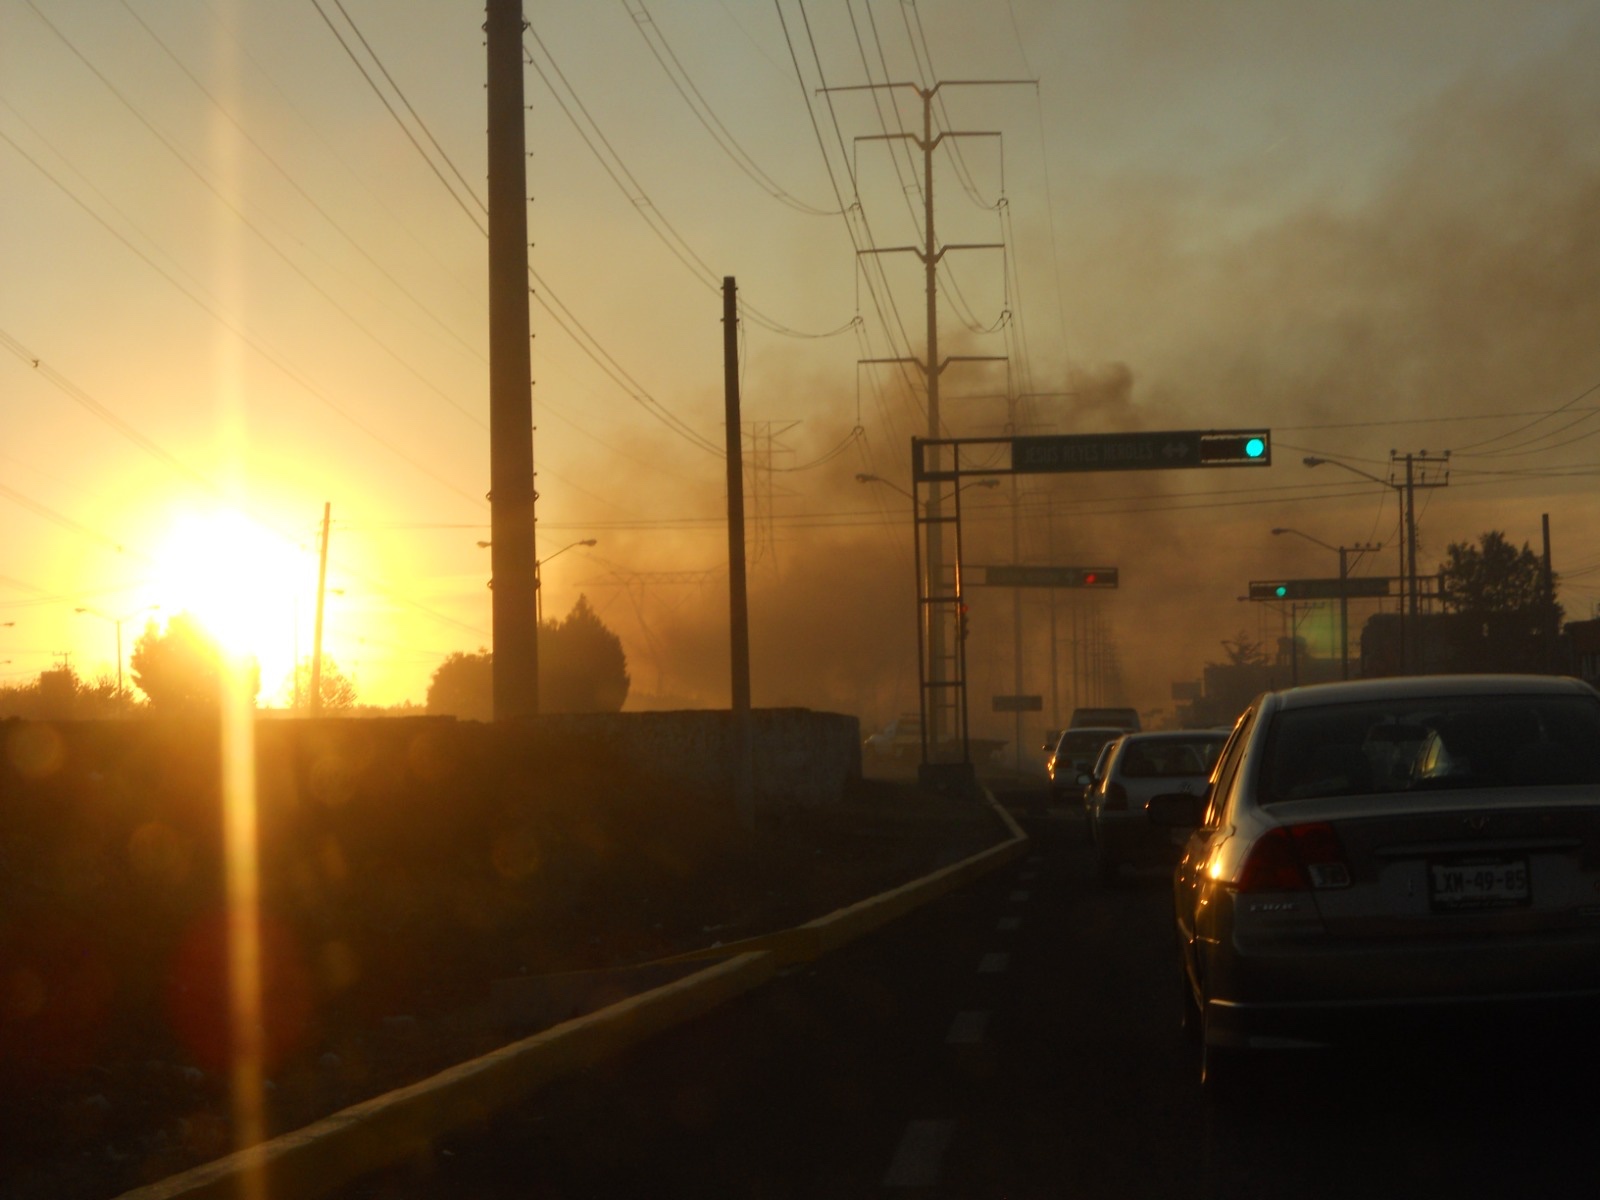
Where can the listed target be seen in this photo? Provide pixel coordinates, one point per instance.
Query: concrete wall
(802, 758)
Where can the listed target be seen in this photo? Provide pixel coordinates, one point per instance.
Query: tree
(180, 670)
(463, 686)
(338, 689)
(1242, 652)
(1494, 579)
(59, 695)
(582, 667)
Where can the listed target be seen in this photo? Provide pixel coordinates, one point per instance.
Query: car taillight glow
(1116, 795)
(1295, 858)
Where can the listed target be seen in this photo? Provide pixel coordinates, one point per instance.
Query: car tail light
(1116, 795)
(1295, 858)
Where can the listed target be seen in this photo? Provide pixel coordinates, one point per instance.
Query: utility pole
(1548, 586)
(738, 597)
(1421, 471)
(511, 484)
(316, 636)
(938, 606)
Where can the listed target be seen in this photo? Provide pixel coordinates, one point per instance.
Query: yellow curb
(808, 942)
(324, 1156)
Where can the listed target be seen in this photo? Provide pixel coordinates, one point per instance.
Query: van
(1119, 718)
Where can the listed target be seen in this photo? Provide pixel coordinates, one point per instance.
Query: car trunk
(1459, 864)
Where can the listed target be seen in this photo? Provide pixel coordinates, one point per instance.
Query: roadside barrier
(324, 1156)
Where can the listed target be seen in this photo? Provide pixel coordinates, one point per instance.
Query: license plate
(1465, 884)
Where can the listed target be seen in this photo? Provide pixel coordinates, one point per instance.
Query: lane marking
(921, 1152)
(993, 964)
(968, 1029)
(1008, 924)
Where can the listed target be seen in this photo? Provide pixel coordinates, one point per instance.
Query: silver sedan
(1374, 857)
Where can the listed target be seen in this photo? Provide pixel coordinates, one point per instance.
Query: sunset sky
(242, 275)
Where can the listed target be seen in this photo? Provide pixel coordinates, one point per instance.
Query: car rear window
(1169, 758)
(1084, 745)
(1416, 743)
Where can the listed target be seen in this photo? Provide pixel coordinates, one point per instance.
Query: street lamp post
(538, 574)
(1409, 523)
(1344, 597)
(117, 621)
(538, 585)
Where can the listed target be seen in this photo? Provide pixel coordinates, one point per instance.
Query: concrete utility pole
(514, 562)
(937, 605)
(738, 597)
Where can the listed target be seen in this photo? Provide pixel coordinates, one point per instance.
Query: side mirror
(1176, 810)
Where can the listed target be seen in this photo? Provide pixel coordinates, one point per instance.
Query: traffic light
(1365, 587)
(1236, 448)
(1097, 577)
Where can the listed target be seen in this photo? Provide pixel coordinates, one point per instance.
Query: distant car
(1125, 719)
(1071, 758)
(900, 738)
(1096, 773)
(1142, 765)
(1377, 856)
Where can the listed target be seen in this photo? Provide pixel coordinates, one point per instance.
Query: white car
(1142, 765)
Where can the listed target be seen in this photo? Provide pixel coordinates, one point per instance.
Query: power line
(650, 29)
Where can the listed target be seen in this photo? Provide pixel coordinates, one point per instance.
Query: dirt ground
(146, 1113)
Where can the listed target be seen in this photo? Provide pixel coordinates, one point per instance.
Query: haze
(242, 270)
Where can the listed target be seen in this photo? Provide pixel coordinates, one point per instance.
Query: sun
(240, 580)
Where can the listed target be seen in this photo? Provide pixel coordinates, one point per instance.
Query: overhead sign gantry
(936, 461)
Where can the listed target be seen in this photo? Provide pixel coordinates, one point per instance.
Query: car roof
(1091, 730)
(1403, 686)
(1182, 735)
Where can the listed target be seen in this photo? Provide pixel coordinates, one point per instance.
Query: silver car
(1373, 858)
(1072, 756)
(1137, 767)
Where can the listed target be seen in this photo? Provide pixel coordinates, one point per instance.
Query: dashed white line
(921, 1152)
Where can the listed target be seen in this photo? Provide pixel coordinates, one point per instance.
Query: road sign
(1151, 451)
(1018, 704)
(1050, 577)
(1366, 587)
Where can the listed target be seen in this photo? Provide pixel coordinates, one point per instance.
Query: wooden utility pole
(316, 636)
(738, 596)
(514, 562)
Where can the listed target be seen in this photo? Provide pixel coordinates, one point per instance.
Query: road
(1018, 1039)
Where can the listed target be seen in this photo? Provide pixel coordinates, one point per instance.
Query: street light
(122, 699)
(1408, 579)
(1344, 575)
(538, 569)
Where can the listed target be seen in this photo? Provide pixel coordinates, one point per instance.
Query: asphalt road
(1020, 1039)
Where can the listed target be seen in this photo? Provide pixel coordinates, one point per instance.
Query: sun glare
(240, 581)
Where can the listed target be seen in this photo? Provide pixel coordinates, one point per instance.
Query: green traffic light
(1255, 447)
(1280, 591)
